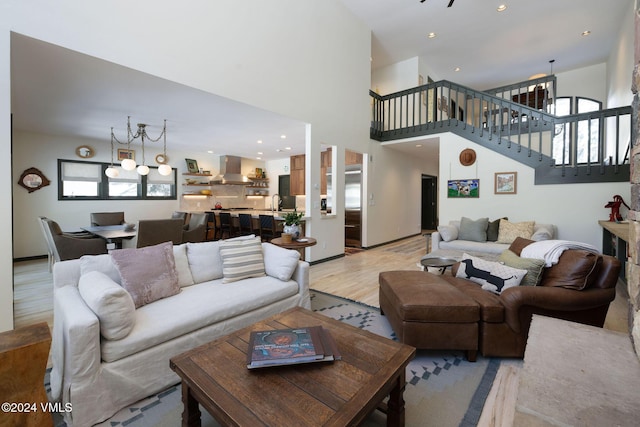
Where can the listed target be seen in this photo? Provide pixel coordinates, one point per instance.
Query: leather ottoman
(426, 312)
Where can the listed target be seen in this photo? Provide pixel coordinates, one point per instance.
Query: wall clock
(85, 152)
(161, 159)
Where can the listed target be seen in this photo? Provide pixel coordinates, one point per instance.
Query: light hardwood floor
(354, 276)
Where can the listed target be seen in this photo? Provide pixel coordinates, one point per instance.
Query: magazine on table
(291, 346)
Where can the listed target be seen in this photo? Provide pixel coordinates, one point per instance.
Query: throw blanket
(550, 250)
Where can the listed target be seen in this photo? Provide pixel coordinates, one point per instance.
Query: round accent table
(440, 263)
(298, 244)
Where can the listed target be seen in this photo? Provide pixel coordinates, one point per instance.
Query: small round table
(440, 263)
(299, 244)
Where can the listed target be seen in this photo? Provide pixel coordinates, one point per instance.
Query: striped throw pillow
(241, 259)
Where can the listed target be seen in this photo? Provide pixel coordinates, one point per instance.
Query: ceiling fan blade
(450, 3)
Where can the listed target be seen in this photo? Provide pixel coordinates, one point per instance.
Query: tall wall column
(633, 264)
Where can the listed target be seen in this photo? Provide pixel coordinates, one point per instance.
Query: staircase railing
(511, 120)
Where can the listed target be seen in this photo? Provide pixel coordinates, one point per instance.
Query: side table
(23, 363)
(298, 244)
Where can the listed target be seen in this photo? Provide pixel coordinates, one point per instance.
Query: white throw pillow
(448, 232)
(492, 276)
(279, 262)
(182, 265)
(204, 261)
(111, 303)
(101, 263)
(542, 232)
(241, 259)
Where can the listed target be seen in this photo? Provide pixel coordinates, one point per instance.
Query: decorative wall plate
(32, 179)
(85, 152)
(161, 159)
(467, 157)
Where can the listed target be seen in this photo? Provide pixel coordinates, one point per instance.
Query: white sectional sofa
(452, 240)
(107, 354)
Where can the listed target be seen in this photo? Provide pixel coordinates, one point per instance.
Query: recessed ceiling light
(418, 145)
(260, 153)
(502, 8)
(279, 150)
(259, 141)
(456, 69)
(210, 151)
(283, 136)
(586, 33)
(287, 148)
(258, 158)
(432, 35)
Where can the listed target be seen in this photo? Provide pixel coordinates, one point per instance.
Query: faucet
(275, 207)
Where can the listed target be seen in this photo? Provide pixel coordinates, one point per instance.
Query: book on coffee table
(291, 346)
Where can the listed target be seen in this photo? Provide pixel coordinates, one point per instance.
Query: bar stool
(267, 227)
(226, 225)
(246, 224)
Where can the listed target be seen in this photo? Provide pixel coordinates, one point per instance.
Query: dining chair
(226, 225)
(196, 230)
(50, 245)
(184, 216)
(156, 231)
(107, 218)
(67, 246)
(267, 227)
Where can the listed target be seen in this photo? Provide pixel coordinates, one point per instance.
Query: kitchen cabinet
(352, 158)
(297, 171)
(325, 164)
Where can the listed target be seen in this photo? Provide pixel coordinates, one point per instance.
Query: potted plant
(292, 223)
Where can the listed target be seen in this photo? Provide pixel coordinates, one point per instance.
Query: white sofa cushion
(111, 303)
(182, 265)
(196, 307)
(101, 263)
(241, 259)
(279, 262)
(204, 261)
(469, 246)
(448, 232)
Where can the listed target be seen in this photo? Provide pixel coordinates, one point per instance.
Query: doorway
(429, 216)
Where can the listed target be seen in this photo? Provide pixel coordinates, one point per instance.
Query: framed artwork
(192, 166)
(463, 188)
(506, 182)
(123, 153)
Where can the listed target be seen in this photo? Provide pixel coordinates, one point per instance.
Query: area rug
(443, 388)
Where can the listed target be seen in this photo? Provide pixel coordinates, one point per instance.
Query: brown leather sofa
(578, 288)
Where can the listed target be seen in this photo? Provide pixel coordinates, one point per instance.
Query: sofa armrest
(75, 346)
(66, 273)
(301, 276)
(435, 241)
(550, 298)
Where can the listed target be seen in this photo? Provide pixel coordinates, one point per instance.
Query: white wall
(275, 55)
(588, 82)
(395, 77)
(620, 64)
(575, 209)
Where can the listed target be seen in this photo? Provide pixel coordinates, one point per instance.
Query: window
(587, 132)
(87, 181)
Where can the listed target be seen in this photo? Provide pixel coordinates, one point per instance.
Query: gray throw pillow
(492, 230)
(475, 231)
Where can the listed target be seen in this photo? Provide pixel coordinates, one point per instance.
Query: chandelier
(130, 164)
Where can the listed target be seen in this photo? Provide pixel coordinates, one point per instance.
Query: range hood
(230, 171)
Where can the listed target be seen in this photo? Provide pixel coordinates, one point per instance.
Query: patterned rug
(443, 388)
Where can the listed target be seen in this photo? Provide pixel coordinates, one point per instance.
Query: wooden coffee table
(338, 393)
